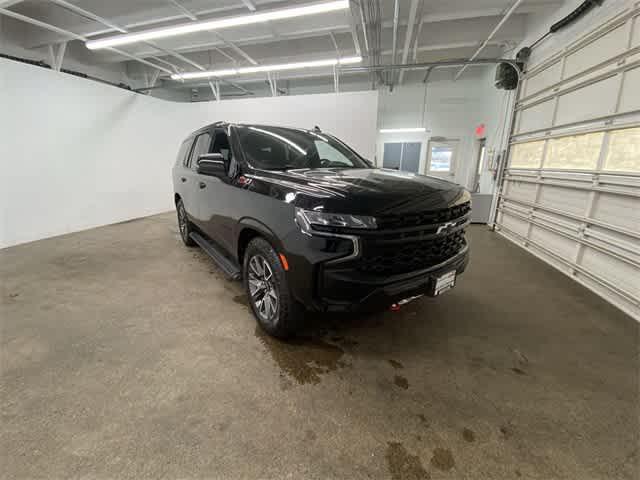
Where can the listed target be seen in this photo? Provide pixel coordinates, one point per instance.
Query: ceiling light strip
(208, 25)
(403, 130)
(266, 68)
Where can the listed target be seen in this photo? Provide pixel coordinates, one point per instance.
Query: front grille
(381, 258)
(390, 222)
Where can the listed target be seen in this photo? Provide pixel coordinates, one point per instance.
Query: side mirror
(211, 164)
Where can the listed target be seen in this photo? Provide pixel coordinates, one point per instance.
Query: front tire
(184, 225)
(265, 282)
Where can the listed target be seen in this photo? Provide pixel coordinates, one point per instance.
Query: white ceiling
(441, 29)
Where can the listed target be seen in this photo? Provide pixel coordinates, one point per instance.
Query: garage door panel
(592, 101)
(536, 117)
(630, 98)
(618, 243)
(526, 155)
(515, 224)
(553, 241)
(635, 39)
(557, 221)
(606, 293)
(612, 270)
(618, 210)
(565, 199)
(598, 51)
(579, 152)
(551, 259)
(521, 191)
(543, 79)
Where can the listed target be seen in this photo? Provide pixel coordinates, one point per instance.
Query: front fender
(261, 228)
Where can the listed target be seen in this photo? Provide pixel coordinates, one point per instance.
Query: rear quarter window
(183, 152)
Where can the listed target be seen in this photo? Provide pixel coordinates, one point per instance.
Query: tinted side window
(184, 151)
(269, 151)
(203, 141)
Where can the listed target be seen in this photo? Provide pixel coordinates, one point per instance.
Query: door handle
(202, 184)
(183, 179)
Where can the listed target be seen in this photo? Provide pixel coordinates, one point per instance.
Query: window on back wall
(578, 152)
(624, 150)
(527, 155)
(402, 156)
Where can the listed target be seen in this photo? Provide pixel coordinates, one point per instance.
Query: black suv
(307, 223)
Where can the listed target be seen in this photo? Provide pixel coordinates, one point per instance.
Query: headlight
(307, 219)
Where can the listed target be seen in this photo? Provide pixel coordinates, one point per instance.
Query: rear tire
(184, 225)
(265, 282)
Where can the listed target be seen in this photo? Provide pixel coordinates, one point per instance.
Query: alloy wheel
(262, 289)
(182, 221)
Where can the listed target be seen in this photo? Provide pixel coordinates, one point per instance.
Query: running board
(228, 266)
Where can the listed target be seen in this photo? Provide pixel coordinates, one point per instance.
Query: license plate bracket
(444, 282)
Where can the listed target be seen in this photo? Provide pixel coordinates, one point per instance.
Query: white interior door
(442, 158)
(571, 188)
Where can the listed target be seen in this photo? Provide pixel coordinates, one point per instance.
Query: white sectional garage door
(571, 189)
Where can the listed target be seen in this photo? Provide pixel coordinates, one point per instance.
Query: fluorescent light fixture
(207, 25)
(266, 68)
(403, 130)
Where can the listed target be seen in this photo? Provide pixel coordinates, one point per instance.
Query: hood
(370, 191)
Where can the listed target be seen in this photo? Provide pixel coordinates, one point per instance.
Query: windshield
(278, 148)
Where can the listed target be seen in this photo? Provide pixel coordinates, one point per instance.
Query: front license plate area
(444, 283)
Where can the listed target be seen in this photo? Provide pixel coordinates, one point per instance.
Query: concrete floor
(125, 354)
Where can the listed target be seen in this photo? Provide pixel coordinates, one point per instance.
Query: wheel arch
(248, 229)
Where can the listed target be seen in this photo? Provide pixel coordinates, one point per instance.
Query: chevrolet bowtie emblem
(445, 227)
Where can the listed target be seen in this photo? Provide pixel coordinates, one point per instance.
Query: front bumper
(347, 290)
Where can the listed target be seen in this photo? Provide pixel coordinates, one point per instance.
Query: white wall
(446, 109)
(76, 154)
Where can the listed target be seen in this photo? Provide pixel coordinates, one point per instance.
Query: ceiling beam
(87, 14)
(75, 36)
(237, 49)
(429, 18)
(354, 32)
(502, 21)
(335, 44)
(227, 43)
(394, 43)
(182, 9)
(413, 10)
(249, 4)
(108, 23)
(448, 46)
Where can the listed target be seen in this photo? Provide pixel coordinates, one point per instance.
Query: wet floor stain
(506, 430)
(241, 300)
(519, 371)
(303, 359)
(442, 459)
(403, 465)
(395, 364)
(468, 435)
(401, 382)
(423, 419)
